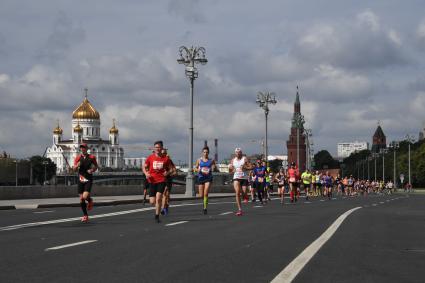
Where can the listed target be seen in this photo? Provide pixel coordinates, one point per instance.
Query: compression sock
(83, 207)
(205, 202)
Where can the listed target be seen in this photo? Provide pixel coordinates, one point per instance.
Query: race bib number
(260, 179)
(205, 170)
(292, 179)
(158, 165)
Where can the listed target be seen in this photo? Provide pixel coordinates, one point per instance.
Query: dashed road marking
(374, 204)
(70, 245)
(225, 213)
(176, 223)
(46, 211)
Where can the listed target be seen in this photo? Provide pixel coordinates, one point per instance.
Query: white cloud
(369, 19)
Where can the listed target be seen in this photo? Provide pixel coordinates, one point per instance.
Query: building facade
(296, 143)
(86, 129)
(347, 148)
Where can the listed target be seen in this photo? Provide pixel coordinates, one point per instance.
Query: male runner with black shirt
(85, 164)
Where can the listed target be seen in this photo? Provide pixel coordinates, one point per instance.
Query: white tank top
(237, 165)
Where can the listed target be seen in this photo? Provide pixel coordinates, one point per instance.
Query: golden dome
(78, 129)
(58, 130)
(85, 111)
(113, 130)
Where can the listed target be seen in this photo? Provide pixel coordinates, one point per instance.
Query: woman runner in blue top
(204, 167)
(260, 172)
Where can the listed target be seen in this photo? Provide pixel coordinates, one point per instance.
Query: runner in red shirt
(85, 164)
(293, 177)
(157, 168)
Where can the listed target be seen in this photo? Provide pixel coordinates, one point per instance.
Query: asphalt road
(383, 241)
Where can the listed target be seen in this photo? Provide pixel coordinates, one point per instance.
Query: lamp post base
(190, 186)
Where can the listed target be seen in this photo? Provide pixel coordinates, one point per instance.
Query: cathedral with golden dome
(86, 129)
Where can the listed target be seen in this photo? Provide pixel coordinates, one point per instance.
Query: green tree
(39, 167)
(324, 160)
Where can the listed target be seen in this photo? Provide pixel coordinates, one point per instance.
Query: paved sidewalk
(99, 201)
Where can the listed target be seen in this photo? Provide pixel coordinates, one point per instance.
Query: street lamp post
(394, 145)
(263, 100)
(189, 57)
(309, 151)
(16, 172)
(383, 151)
(409, 139)
(375, 155)
(45, 171)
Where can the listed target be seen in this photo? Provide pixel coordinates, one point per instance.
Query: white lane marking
(258, 206)
(70, 245)
(33, 224)
(322, 200)
(225, 213)
(388, 201)
(291, 270)
(46, 211)
(374, 204)
(176, 223)
(333, 198)
(381, 202)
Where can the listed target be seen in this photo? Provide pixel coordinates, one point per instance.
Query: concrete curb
(100, 203)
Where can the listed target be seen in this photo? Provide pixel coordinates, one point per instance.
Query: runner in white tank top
(238, 166)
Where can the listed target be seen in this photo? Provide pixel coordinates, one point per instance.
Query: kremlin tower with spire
(296, 143)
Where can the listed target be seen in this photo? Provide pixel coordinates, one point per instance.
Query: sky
(356, 63)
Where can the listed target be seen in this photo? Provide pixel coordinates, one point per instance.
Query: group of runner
(249, 180)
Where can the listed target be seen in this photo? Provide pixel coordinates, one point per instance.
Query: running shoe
(144, 201)
(163, 211)
(166, 211)
(157, 219)
(90, 204)
(239, 213)
(205, 211)
(85, 219)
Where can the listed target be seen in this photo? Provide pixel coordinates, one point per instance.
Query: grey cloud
(189, 10)
(64, 36)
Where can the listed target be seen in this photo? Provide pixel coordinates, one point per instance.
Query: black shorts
(84, 187)
(156, 188)
(202, 181)
(243, 182)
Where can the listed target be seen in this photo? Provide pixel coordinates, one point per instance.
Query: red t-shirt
(157, 166)
(293, 175)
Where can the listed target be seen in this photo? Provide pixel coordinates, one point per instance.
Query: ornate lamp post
(263, 100)
(189, 57)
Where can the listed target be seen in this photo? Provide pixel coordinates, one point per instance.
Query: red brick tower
(297, 129)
